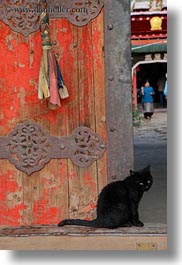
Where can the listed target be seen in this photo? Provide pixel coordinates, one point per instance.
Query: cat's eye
(148, 181)
(141, 184)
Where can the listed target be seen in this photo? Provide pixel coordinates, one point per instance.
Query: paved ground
(150, 140)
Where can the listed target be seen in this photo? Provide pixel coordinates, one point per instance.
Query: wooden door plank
(11, 196)
(88, 176)
(70, 71)
(59, 168)
(99, 92)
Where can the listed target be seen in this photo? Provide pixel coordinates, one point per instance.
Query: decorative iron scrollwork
(30, 147)
(89, 147)
(23, 15)
(20, 15)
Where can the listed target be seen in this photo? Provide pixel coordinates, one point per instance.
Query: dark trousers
(161, 99)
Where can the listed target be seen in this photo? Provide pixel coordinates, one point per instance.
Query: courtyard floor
(150, 146)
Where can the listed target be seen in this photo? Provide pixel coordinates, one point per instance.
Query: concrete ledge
(151, 237)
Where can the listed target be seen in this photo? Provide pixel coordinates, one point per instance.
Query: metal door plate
(30, 147)
(23, 15)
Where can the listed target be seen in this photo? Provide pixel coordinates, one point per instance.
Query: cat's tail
(79, 222)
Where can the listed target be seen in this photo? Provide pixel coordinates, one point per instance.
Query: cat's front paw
(129, 224)
(138, 223)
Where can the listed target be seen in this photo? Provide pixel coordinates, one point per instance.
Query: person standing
(160, 86)
(165, 89)
(147, 92)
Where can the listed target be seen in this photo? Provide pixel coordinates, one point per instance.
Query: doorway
(152, 72)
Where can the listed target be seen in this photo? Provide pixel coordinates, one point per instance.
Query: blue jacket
(165, 89)
(148, 98)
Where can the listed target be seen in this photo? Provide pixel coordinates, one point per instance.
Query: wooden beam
(85, 243)
(80, 238)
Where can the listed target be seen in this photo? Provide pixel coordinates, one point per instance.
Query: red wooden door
(95, 63)
(61, 189)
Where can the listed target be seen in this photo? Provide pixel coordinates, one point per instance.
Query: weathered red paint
(7, 185)
(11, 209)
(45, 215)
(13, 216)
(46, 196)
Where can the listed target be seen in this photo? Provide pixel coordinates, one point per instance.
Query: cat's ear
(132, 173)
(148, 167)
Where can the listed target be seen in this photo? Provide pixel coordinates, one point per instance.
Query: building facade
(149, 45)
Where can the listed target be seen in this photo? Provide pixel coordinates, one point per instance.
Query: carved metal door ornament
(30, 147)
(23, 15)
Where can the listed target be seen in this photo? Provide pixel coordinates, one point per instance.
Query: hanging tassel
(51, 84)
(53, 81)
(63, 91)
(43, 86)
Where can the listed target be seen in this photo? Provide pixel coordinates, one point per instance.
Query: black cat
(118, 202)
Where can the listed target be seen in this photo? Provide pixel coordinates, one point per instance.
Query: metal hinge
(30, 147)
